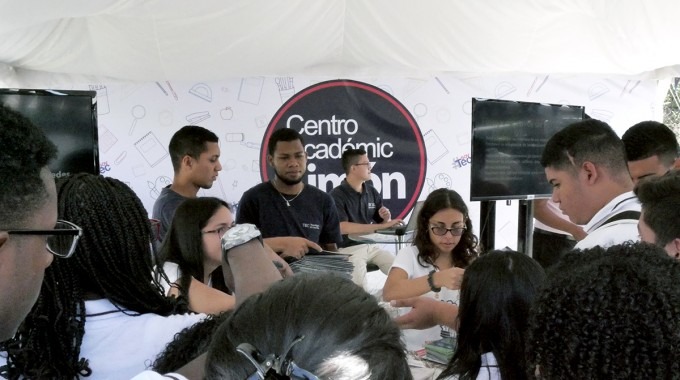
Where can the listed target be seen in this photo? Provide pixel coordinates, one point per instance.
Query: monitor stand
(487, 229)
(525, 227)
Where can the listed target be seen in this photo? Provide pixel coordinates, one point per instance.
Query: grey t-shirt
(164, 208)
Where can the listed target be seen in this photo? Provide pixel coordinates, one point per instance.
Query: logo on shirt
(311, 226)
(336, 115)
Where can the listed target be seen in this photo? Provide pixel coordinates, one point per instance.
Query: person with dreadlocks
(100, 313)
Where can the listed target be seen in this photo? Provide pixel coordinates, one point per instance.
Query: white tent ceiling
(216, 39)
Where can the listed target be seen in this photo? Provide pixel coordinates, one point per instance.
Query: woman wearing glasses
(443, 246)
(191, 252)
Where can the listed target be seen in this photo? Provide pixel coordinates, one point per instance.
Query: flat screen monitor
(69, 119)
(508, 138)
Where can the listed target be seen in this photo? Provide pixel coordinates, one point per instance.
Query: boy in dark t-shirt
(292, 216)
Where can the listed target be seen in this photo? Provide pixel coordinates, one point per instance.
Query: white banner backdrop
(137, 120)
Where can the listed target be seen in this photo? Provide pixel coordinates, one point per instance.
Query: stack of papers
(324, 261)
(441, 350)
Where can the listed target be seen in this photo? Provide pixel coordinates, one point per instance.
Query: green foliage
(671, 106)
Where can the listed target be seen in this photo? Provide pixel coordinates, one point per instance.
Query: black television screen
(69, 119)
(507, 142)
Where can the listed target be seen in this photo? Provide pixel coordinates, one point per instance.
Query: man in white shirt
(586, 165)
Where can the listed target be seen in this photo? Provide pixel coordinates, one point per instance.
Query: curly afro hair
(608, 314)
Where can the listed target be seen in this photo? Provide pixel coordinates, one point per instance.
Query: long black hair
(183, 244)
(347, 335)
(465, 250)
(113, 260)
(496, 295)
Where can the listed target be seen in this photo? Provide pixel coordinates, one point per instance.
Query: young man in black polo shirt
(361, 210)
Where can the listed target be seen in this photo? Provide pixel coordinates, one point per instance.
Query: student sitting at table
(443, 246)
(191, 251)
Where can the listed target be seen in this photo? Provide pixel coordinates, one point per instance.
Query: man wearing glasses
(361, 211)
(29, 231)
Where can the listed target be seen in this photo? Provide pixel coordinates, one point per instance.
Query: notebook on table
(322, 261)
(403, 229)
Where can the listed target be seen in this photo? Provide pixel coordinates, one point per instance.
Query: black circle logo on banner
(336, 115)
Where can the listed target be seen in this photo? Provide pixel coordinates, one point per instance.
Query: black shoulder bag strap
(632, 215)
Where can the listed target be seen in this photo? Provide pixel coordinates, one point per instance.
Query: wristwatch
(430, 281)
(239, 234)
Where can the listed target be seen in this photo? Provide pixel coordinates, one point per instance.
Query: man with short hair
(585, 164)
(28, 204)
(361, 211)
(195, 156)
(292, 216)
(651, 150)
(660, 219)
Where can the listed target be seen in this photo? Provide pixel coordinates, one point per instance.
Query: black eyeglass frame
(452, 230)
(74, 231)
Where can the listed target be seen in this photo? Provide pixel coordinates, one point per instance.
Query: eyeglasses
(220, 231)
(441, 231)
(61, 241)
(369, 165)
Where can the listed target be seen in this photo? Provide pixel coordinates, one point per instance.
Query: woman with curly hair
(497, 292)
(443, 246)
(608, 314)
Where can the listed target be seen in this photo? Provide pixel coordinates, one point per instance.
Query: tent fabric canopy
(217, 39)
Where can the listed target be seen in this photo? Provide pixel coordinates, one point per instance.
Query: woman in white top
(100, 313)
(497, 291)
(443, 246)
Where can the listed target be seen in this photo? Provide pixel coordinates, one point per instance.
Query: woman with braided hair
(100, 313)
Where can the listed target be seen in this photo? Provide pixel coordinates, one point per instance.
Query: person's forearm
(447, 314)
(252, 269)
(544, 215)
(347, 228)
(405, 288)
(277, 244)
